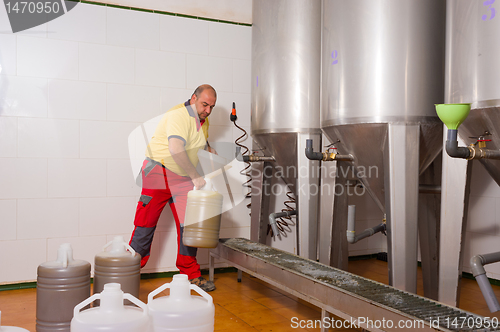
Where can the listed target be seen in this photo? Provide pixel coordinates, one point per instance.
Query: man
(169, 173)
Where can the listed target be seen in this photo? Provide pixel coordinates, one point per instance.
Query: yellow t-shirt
(182, 122)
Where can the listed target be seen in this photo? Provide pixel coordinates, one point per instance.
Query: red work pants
(159, 187)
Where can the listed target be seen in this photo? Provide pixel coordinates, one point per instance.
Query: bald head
(203, 100)
(199, 90)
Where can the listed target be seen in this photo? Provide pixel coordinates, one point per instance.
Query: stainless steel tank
(383, 71)
(286, 50)
(472, 75)
(473, 71)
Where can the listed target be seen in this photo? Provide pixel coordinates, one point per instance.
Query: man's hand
(199, 183)
(211, 150)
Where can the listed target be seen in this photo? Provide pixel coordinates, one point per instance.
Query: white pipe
(352, 237)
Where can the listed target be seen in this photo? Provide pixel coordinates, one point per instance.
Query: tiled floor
(251, 305)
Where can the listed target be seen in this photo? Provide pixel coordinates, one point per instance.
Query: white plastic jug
(181, 311)
(112, 315)
(10, 328)
(203, 217)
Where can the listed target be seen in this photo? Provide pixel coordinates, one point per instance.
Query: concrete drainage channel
(359, 301)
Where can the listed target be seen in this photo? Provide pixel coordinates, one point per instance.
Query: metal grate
(449, 318)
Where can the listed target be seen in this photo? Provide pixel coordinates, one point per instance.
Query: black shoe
(203, 283)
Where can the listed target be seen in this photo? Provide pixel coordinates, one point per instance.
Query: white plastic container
(181, 311)
(10, 328)
(111, 315)
(203, 217)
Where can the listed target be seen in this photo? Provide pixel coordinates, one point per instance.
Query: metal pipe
(477, 265)
(273, 216)
(251, 158)
(352, 237)
(429, 189)
(470, 152)
(325, 156)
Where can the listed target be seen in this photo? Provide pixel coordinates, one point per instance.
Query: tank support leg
(401, 200)
(455, 186)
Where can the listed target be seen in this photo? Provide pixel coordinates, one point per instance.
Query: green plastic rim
(452, 115)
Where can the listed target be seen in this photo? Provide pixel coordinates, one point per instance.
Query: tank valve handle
(325, 156)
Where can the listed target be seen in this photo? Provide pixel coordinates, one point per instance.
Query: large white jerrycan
(181, 311)
(111, 315)
(10, 328)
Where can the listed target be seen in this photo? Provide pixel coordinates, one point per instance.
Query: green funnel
(452, 115)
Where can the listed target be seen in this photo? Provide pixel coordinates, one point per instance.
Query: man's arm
(176, 148)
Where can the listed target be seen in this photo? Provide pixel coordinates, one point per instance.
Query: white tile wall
(183, 35)
(166, 223)
(242, 76)
(132, 28)
(40, 57)
(23, 96)
(158, 68)
(48, 138)
(8, 54)
(230, 41)
(21, 266)
(476, 244)
(85, 23)
(172, 97)
(120, 180)
(163, 252)
(220, 133)
(84, 247)
(232, 10)
(115, 215)
(99, 139)
(71, 93)
(4, 21)
(8, 221)
(8, 137)
(76, 178)
(77, 100)
(40, 31)
(224, 105)
(47, 218)
(217, 72)
(483, 215)
(104, 63)
(23, 178)
(132, 102)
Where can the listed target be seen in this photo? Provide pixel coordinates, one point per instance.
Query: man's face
(204, 103)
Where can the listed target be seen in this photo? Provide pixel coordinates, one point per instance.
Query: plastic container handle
(126, 296)
(157, 291)
(65, 259)
(85, 303)
(126, 245)
(203, 293)
(137, 302)
(197, 289)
